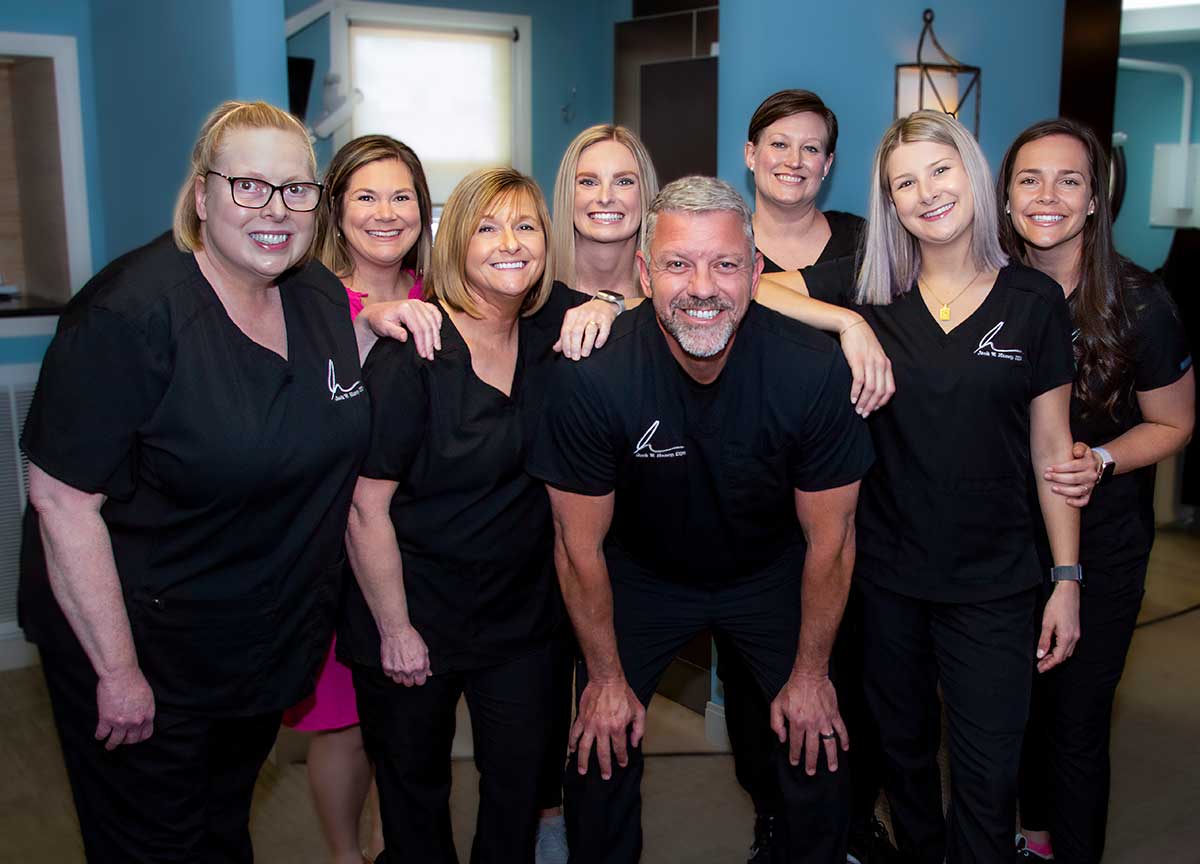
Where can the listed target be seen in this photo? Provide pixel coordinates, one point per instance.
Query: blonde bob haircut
(478, 195)
(228, 117)
(563, 232)
(331, 247)
(891, 257)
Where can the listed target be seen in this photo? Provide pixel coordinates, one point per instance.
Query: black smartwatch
(1108, 466)
(1067, 573)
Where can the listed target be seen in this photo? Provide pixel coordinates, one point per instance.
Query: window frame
(342, 15)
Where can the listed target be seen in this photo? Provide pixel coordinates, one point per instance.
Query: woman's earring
(1007, 210)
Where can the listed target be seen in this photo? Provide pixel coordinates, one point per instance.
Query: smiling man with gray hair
(703, 470)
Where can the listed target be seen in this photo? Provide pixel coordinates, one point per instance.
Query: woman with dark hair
(374, 232)
(1132, 405)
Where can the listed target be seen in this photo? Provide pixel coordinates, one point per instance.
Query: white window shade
(448, 95)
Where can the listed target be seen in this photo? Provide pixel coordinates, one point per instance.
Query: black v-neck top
(945, 513)
(838, 256)
(474, 529)
(228, 471)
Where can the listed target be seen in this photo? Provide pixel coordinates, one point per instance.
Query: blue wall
(165, 66)
(70, 18)
(847, 52)
(1147, 109)
(572, 47)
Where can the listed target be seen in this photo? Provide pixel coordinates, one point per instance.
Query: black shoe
(870, 844)
(764, 832)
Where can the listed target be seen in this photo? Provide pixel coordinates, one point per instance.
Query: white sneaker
(551, 845)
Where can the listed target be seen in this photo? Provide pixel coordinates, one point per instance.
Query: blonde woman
(981, 353)
(189, 484)
(451, 541)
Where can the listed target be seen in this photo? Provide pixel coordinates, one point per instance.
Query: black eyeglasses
(256, 194)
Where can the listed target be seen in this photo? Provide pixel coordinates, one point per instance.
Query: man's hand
(404, 657)
(125, 705)
(606, 710)
(1060, 626)
(806, 709)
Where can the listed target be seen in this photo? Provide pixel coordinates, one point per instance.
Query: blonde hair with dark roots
(227, 117)
(331, 247)
(891, 258)
(477, 195)
(563, 231)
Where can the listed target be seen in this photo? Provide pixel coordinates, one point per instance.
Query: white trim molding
(64, 52)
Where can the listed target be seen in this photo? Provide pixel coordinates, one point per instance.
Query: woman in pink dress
(375, 234)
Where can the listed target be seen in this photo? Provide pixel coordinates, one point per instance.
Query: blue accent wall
(165, 66)
(572, 47)
(847, 53)
(1147, 109)
(70, 18)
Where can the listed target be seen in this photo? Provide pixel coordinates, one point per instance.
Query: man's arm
(607, 705)
(806, 707)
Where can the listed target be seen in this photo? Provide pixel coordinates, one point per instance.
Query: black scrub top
(838, 256)
(228, 473)
(704, 474)
(1118, 524)
(945, 514)
(474, 530)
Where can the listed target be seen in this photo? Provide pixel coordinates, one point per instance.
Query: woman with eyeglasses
(193, 443)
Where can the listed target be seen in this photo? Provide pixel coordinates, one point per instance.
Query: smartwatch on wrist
(612, 297)
(1067, 573)
(1107, 468)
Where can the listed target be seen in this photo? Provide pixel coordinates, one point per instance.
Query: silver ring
(827, 736)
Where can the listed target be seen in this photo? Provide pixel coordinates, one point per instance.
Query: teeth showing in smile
(607, 218)
(1047, 219)
(702, 314)
(509, 265)
(394, 232)
(933, 214)
(268, 239)
(789, 178)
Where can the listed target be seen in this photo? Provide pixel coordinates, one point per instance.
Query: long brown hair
(331, 247)
(1103, 352)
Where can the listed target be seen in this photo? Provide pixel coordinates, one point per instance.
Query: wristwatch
(1108, 466)
(1067, 573)
(614, 298)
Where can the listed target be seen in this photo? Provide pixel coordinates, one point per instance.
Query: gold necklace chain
(944, 311)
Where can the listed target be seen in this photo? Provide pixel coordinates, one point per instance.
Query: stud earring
(1007, 210)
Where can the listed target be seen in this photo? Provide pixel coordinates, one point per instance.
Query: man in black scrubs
(690, 467)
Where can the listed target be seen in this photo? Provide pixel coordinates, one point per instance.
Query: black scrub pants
(748, 722)
(408, 733)
(562, 702)
(983, 656)
(182, 795)
(654, 619)
(1065, 769)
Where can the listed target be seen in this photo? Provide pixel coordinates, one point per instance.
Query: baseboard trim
(15, 652)
(714, 725)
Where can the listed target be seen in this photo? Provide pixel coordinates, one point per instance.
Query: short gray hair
(697, 194)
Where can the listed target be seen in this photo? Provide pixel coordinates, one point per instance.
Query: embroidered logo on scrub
(988, 349)
(338, 393)
(646, 450)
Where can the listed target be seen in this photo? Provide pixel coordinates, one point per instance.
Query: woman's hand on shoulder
(872, 383)
(397, 319)
(586, 327)
(1075, 480)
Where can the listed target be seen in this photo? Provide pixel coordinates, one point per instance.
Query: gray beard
(697, 342)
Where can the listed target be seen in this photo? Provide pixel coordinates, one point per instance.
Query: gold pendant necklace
(944, 311)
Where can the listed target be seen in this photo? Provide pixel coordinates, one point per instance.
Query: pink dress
(332, 704)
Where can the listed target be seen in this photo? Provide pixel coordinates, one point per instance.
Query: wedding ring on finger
(827, 736)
